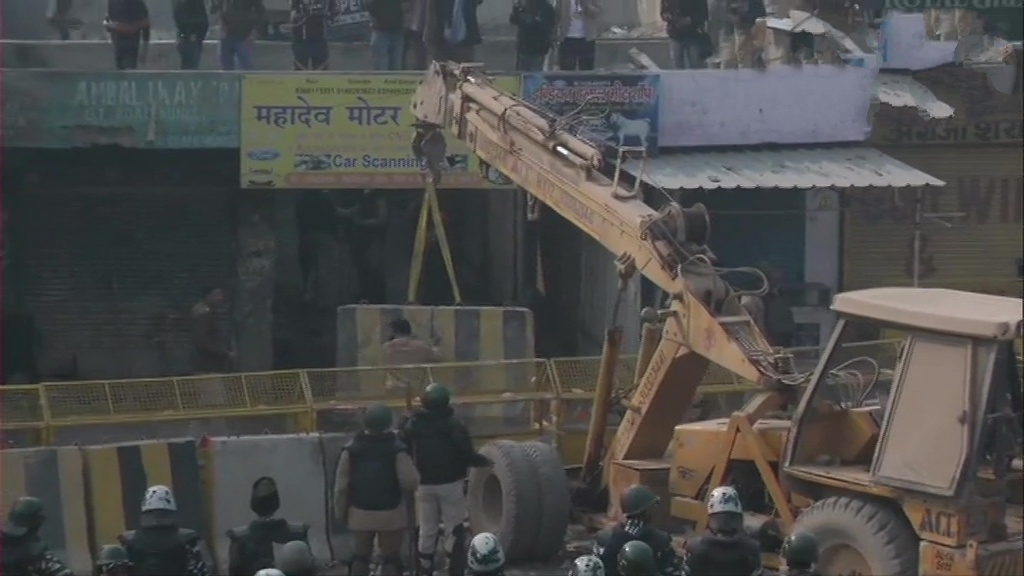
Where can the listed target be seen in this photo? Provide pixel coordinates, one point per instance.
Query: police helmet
(25, 515)
(800, 550)
(485, 554)
(588, 565)
(636, 559)
(377, 418)
(637, 499)
(435, 397)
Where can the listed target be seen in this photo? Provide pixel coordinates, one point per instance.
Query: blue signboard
(616, 109)
(161, 110)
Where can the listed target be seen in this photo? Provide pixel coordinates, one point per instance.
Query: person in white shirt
(578, 28)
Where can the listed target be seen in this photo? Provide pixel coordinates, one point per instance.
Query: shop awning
(789, 168)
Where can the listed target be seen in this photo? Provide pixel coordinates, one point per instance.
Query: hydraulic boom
(704, 319)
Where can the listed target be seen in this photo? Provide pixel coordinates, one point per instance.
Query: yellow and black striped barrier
(117, 477)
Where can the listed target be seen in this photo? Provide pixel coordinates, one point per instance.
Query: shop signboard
(139, 109)
(343, 131)
(613, 109)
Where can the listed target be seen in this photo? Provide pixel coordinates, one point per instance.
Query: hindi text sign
(341, 131)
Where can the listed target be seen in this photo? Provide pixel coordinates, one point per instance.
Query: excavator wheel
(860, 537)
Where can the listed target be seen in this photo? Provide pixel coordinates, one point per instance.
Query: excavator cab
(909, 448)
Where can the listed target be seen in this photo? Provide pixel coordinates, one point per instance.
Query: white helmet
(270, 572)
(724, 499)
(485, 554)
(588, 565)
(159, 498)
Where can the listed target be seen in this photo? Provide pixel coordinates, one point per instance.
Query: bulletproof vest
(257, 540)
(723, 556)
(159, 551)
(18, 556)
(373, 474)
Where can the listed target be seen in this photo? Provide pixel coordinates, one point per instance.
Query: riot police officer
(637, 559)
(725, 550)
(21, 551)
(800, 553)
(159, 547)
(113, 561)
(252, 545)
(443, 453)
(587, 565)
(637, 503)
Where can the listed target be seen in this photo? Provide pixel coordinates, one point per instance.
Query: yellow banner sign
(343, 131)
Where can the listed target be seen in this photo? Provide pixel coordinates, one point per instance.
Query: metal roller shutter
(112, 275)
(980, 251)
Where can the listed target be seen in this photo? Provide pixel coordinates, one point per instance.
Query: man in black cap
(22, 553)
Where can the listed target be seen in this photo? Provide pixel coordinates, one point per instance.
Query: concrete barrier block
(55, 476)
(117, 476)
(297, 464)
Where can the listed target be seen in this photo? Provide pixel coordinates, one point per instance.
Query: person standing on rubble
(725, 549)
(159, 547)
(637, 504)
(443, 453)
(211, 353)
(252, 545)
(686, 22)
(735, 46)
(375, 478)
(22, 553)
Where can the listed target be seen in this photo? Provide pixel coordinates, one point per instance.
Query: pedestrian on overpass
(127, 22)
(443, 452)
(192, 24)
(159, 547)
(375, 480)
(310, 21)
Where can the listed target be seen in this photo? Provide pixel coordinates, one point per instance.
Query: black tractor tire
(554, 500)
(505, 499)
(878, 531)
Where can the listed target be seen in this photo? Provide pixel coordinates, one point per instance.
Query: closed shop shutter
(113, 274)
(978, 251)
(755, 228)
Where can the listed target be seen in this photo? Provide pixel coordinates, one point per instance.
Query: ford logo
(264, 155)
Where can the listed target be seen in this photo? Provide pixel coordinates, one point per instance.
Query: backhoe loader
(898, 458)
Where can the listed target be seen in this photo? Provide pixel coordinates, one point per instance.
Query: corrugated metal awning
(790, 168)
(902, 91)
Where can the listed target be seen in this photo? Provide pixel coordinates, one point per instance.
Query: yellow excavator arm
(704, 320)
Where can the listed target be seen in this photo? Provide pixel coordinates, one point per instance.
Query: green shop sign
(160, 110)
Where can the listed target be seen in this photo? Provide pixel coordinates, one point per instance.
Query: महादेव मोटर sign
(618, 110)
(57, 109)
(342, 131)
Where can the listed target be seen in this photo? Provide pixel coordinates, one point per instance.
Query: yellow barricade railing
(527, 393)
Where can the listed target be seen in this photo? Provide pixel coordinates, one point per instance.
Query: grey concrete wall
(497, 54)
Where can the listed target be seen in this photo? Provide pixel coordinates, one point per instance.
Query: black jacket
(191, 19)
(673, 12)
(440, 446)
(443, 13)
(252, 545)
(611, 540)
(535, 22)
(713, 555)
